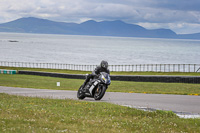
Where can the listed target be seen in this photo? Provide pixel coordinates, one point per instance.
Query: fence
(126, 68)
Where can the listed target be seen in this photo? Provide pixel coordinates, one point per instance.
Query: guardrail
(124, 68)
(135, 78)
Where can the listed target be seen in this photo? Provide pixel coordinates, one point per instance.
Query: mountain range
(104, 28)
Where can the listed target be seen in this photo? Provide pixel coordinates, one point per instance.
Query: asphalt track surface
(184, 104)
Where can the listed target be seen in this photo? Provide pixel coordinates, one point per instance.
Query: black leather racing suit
(96, 71)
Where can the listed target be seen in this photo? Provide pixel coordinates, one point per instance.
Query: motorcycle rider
(102, 68)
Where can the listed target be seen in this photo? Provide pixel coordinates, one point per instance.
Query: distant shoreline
(142, 38)
(115, 28)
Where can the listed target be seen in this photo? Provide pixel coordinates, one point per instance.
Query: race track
(176, 103)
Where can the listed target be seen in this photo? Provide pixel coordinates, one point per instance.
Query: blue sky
(182, 16)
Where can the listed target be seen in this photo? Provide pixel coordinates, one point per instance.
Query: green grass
(24, 114)
(112, 73)
(42, 82)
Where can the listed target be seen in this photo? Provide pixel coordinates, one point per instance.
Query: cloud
(131, 11)
(183, 5)
(128, 10)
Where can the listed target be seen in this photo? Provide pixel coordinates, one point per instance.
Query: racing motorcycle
(95, 88)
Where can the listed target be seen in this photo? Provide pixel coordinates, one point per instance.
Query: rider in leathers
(102, 68)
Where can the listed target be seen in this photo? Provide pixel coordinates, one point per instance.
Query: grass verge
(112, 73)
(42, 82)
(25, 114)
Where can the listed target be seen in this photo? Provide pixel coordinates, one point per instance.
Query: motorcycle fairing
(93, 86)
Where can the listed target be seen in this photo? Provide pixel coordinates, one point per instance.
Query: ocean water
(74, 49)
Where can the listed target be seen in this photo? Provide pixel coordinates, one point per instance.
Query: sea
(90, 50)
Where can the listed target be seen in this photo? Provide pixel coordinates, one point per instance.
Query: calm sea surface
(69, 49)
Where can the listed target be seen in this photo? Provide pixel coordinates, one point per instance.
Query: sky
(181, 16)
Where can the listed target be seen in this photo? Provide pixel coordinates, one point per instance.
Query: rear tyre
(99, 92)
(80, 94)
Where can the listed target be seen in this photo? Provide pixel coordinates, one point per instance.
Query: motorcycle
(95, 88)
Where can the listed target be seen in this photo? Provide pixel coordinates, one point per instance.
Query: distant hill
(189, 36)
(104, 28)
(35, 25)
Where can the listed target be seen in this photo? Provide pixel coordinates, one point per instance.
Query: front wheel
(99, 92)
(80, 94)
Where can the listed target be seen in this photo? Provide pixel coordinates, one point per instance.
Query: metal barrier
(198, 69)
(124, 68)
(135, 78)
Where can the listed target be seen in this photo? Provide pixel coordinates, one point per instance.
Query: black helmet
(104, 64)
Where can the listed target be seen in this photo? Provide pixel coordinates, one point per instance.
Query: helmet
(104, 64)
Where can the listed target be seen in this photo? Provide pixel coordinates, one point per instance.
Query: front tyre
(80, 94)
(99, 92)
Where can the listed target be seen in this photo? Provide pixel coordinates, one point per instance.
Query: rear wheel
(80, 94)
(99, 92)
